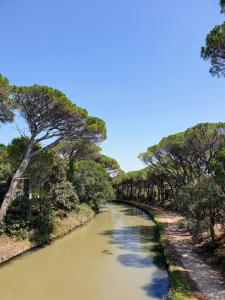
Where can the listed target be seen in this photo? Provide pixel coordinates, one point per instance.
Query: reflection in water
(114, 257)
(158, 288)
(142, 251)
(134, 238)
(134, 260)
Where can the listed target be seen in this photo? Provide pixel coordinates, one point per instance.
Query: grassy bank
(11, 247)
(181, 287)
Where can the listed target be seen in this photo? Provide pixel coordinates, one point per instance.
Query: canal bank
(11, 247)
(115, 256)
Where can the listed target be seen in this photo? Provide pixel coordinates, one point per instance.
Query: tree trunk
(9, 197)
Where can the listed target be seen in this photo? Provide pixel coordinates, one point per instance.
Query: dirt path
(209, 282)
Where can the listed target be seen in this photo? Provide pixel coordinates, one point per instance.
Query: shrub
(42, 219)
(18, 231)
(63, 197)
(85, 210)
(17, 219)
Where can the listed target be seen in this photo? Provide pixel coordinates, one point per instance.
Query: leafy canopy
(51, 116)
(6, 114)
(215, 50)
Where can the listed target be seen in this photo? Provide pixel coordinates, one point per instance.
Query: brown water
(114, 257)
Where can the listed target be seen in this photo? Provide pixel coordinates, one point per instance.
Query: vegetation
(54, 170)
(6, 114)
(63, 197)
(185, 172)
(214, 50)
(51, 117)
(92, 183)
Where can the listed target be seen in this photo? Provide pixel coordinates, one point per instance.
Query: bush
(85, 210)
(42, 219)
(63, 197)
(17, 219)
(18, 231)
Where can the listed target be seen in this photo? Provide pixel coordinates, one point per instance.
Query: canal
(114, 257)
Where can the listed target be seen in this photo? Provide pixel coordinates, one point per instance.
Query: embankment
(11, 247)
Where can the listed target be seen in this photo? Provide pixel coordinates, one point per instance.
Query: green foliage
(218, 165)
(215, 50)
(96, 127)
(6, 114)
(5, 167)
(85, 210)
(204, 206)
(42, 219)
(75, 151)
(50, 116)
(110, 164)
(40, 170)
(134, 185)
(186, 172)
(46, 169)
(92, 183)
(17, 231)
(63, 197)
(17, 219)
(16, 151)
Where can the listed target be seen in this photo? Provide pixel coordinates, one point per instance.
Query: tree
(5, 172)
(184, 157)
(215, 50)
(45, 170)
(50, 117)
(16, 151)
(76, 151)
(6, 114)
(204, 207)
(215, 47)
(218, 165)
(133, 185)
(110, 164)
(92, 183)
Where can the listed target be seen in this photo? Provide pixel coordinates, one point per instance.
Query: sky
(136, 64)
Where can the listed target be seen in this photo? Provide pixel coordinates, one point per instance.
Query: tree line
(185, 172)
(55, 165)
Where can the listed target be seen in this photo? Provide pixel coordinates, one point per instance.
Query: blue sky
(135, 64)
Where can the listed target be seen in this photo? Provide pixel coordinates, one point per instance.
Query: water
(114, 257)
